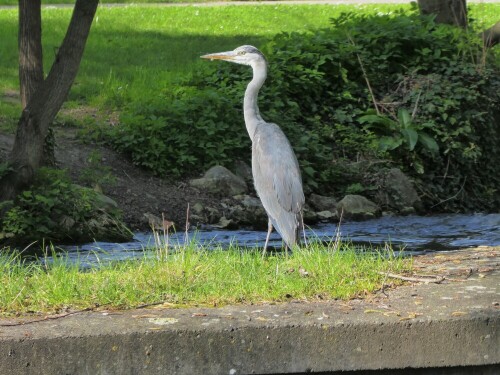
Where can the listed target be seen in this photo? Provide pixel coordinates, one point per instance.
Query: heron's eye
(241, 53)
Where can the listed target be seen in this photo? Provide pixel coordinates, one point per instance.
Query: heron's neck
(250, 106)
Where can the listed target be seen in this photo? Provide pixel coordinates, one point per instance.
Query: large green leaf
(411, 137)
(389, 143)
(428, 142)
(404, 118)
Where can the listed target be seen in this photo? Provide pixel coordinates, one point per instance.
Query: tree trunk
(491, 36)
(452, 12)
(31, 63)
(46, 101)
(30, 48)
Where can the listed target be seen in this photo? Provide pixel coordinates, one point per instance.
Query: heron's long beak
(220, 56)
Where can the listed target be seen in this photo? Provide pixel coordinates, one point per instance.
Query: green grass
(193, 277)
(49, 2)
(135, 52)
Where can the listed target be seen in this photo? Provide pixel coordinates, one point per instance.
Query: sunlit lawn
(136, 51)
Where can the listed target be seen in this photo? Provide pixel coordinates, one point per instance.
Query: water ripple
(413, 233)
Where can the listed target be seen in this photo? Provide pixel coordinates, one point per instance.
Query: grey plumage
(275, 168)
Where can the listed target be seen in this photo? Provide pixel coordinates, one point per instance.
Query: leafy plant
(395, 133)
(183, 132)
(55, 209)
(96, 174)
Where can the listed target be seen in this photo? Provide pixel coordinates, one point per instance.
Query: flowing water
(414, 234)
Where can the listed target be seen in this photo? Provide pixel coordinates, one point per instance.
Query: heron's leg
(269, 230)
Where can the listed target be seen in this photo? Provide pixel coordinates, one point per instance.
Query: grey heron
(275, 169)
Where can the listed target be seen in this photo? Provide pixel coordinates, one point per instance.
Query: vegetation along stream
(412, 234)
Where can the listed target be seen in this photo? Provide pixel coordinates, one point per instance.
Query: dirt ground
(137, 192)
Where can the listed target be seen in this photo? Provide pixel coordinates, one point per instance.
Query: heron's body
(277, 180)
(275, 169)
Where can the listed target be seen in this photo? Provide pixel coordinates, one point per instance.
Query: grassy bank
(123, 64)
(192, 276)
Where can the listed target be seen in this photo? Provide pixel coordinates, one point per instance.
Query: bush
(430, 108)
(183, 133)
(55, 210)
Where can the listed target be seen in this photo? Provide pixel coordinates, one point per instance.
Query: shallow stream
(414, 234)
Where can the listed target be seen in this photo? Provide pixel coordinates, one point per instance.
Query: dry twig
(45, 318)
(423, 279)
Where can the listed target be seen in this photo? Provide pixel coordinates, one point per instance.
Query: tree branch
(30, 48)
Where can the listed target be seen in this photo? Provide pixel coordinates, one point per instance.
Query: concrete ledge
(456, 323)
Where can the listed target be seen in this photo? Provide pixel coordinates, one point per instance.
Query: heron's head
(246, 55)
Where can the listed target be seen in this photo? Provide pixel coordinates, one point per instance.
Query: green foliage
(54, 209)
(409, 62)
(96, 174)
(317, 91)
(358, 188)
(402, 131)
(186, 131)
(35, 207)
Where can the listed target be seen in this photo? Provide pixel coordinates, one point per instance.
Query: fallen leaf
(167, 224)
(458, 313)
(346, 306)
(164, 305)
(486, 269)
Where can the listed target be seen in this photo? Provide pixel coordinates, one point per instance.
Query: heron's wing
(277, 179)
